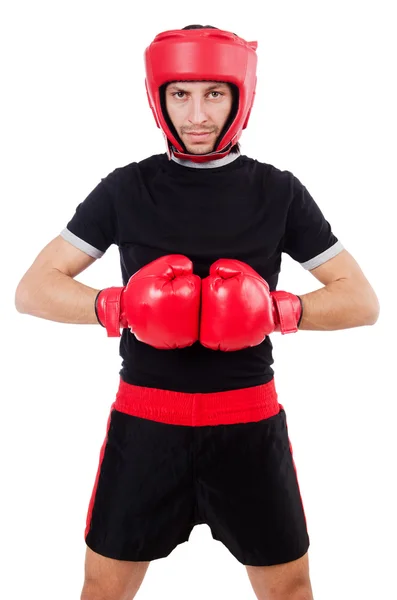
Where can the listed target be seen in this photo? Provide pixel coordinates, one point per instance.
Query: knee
(299, 591)
(304, 594)
(92, 591)
(90, 594)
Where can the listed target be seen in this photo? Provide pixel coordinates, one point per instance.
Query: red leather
(287, 311)
(161, 303)
(108, 310)
(238, 310)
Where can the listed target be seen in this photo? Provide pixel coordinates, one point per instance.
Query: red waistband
(214, 408)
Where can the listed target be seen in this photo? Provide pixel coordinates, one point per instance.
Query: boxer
(196, 433)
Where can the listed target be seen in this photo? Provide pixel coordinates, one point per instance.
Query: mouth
(199, 136)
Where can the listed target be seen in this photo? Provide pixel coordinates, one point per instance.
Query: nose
(197, 112)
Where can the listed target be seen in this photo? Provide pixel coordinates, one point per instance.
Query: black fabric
(157, 481)
(246, 209)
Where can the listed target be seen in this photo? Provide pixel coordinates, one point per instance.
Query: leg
(110, 579)
(141, 506)
(289, 581)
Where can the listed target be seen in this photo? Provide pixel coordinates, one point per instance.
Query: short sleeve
(308, 236)
(92, 228)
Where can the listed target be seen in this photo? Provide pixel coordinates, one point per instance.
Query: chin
(200, 149)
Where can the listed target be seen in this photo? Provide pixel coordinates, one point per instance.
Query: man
(196, 433)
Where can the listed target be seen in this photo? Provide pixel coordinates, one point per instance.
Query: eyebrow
(174, 86)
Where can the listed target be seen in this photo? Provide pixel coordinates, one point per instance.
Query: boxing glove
(238, 310)
(160, 304)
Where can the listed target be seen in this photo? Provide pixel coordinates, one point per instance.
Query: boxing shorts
(172, 460)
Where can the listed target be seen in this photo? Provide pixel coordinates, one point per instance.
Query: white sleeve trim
(318, 260)
(81, 244)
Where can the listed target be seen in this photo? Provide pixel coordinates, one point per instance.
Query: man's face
(198, 111)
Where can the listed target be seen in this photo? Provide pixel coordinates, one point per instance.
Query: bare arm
(48, 289)
(346, 300)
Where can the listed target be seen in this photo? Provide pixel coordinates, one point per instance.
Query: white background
(73, 109)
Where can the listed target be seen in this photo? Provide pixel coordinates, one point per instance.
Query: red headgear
(206, 54)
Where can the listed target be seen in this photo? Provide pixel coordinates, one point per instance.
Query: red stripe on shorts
(101, 455)
(296, 473)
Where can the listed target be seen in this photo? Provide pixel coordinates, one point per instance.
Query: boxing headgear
(205, 54)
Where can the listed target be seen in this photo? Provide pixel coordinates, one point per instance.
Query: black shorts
(156, 481)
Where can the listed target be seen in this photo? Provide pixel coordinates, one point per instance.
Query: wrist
(96, 308)
(108, 310)
(287, 311)
(301, 311)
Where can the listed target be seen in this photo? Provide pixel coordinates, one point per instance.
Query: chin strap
(198, 158)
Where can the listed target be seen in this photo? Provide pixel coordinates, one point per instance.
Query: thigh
(249, 493)
(111, 579)
(143, 502)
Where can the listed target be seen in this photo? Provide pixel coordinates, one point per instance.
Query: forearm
(57, 297)
(339, 305)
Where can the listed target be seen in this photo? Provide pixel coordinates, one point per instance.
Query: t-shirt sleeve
(92, 228)
(308, 236)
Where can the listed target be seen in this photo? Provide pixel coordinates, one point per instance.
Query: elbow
(374, 318)
(367, 305)
(20, 300)
(373, 313)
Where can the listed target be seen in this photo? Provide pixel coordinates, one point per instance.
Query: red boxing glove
(160, 304)
(238, 310)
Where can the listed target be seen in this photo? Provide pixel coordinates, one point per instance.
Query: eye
(218, 96)
(178, 94)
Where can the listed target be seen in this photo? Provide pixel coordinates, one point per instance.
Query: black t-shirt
(236, 207)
